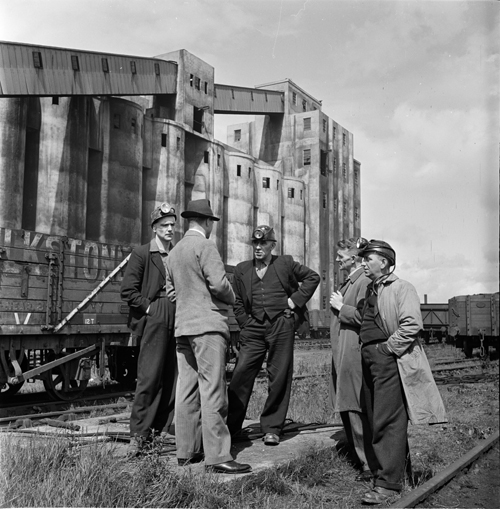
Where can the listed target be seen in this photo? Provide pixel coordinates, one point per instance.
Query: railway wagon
(61, 311)
(435, 318)
(474, 322)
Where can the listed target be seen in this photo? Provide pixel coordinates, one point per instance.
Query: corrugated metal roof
(240, 100)
(19, 76)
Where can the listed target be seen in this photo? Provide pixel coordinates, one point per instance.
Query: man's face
(262, 249)
(373, 265)
(345, 260)
(164, 228)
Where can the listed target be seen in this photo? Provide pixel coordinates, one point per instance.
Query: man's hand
(336, 300)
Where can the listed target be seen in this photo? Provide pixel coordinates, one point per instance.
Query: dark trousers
(276, 338)
(153, 407)
(387, 415)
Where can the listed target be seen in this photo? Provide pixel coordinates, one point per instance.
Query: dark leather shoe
(271, 439)
(229, 467)
(378, 495)
(197, 458)
(365, 476)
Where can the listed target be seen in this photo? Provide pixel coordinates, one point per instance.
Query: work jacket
(398, 314)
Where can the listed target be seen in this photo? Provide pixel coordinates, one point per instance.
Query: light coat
(196, 280)
(347, 374)
(398, 314)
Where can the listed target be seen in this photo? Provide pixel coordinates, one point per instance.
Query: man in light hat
(151, 319)
(270, 305)
(197, 282)
(397, 378)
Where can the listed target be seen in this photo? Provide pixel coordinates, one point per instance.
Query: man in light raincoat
(397, 378)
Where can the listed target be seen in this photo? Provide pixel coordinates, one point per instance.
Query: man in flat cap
(397, 379)
(197, 282)
(151, 319)
(269, 306)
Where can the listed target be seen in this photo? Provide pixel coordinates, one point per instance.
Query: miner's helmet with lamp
(263, 233)
(163, 210)
(376, 246)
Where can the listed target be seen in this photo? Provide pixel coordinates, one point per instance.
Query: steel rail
(432, 485)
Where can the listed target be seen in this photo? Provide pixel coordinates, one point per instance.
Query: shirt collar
(197, 231)
(157, 246)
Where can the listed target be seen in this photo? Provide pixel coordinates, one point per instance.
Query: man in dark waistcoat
(151, 319)
(269, 306)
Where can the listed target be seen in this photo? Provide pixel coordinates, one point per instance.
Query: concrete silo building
(91, 142)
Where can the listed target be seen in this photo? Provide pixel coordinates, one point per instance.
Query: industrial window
(105, 65)
(75, 65)
(238, 170)
(277, 184)
(178, 143)
(356, 177)
(304, 105)
(291, 192)
(344, 138)
(37, 60)
(205, 156)
(324, 200)
(324, 302)
(133, 68)
(266, 182)
(191, 78)
(307, 157)
(55, 100)
(294, 98)
(237, 135)
(345, 209)
(218, 159)
(116, 121)
(197, 82)
(163, 140)
(344, 171)
(206, 87)
(307, 124)
(334, 165)
(324, 125)
(157, 69)
(301, 194)
(324, 162)
(334, 132)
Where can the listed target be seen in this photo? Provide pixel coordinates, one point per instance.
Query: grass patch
(58, 474)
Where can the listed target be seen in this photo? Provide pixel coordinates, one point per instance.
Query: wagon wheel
(10, 389)
(60, 386)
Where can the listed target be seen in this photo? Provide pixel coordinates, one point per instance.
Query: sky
(416, 82)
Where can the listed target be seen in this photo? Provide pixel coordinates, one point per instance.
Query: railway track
(439, 480)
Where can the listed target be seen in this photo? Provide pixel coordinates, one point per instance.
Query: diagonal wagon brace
(63, 360)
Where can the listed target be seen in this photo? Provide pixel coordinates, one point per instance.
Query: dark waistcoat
(268, 295)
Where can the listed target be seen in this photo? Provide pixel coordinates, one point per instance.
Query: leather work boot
(378, 495)
(271, 439)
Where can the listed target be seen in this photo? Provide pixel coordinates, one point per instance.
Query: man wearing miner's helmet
(397, 380)
(269, 305)
(151, 319)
